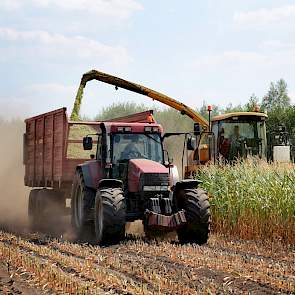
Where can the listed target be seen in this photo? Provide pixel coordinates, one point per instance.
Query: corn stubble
(252, 199)
(137, 267)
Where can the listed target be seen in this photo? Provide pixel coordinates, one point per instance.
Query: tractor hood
(157, 173)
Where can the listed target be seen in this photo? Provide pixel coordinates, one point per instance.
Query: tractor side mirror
(87, 143)
(197, 129)
(191, 144)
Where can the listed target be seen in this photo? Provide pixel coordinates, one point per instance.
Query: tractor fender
(92, 173)
(186, 184)
(110, 183)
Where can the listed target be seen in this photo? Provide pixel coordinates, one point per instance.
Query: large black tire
(109, 216)
(197, 212)
(51, 208)
(33, 213)
(82, 203)
(46, 209)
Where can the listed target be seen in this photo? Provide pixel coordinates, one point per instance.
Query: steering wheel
(137, 155)
(134, 154)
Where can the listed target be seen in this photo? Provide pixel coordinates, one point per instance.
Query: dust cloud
(13, 193)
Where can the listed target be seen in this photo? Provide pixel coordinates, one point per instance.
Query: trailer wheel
(110, 216)
(82, 201)
(45, 210)
(197, 211)
(33, 213)
(51, 207)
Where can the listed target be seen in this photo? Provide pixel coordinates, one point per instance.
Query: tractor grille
(159, 179)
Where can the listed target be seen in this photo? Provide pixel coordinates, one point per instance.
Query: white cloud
(277, 45)
(10, 4)
(262, 17)
(58, 45)
(232, 76)
(233, 58)
(109, 8)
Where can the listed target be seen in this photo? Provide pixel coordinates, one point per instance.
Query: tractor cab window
(240, 138)
(137, 146)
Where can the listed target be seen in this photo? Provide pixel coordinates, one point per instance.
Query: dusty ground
(137, 267)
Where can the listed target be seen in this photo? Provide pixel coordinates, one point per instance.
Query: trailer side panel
(44, 151)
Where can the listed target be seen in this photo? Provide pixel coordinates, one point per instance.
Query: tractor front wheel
(197, 211)
(109, 216)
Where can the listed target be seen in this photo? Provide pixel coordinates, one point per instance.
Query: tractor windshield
(137, 146)
(240, 138)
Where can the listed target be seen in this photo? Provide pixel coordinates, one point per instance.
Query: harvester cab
(235, 135)
(229, 137)
(239, 135)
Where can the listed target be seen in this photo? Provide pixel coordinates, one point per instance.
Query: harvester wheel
(109, 216)
(33, 212)
(82, 201)
(197, 211)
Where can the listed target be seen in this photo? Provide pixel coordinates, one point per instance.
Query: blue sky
(217, 51)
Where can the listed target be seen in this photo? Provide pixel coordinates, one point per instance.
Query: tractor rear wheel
(109, 216)
(197, 211)
(82, 203)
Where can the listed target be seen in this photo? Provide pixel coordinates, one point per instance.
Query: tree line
(276, 103)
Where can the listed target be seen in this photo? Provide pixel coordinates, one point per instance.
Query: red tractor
(130, 180)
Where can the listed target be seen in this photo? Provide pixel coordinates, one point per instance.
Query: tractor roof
(137, 127)
(239, 114)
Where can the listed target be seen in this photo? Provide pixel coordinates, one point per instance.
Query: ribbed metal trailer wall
(44, 148)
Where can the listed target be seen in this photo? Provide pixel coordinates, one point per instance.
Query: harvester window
(240, 138)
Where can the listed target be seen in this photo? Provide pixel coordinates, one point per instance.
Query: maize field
(252, 200)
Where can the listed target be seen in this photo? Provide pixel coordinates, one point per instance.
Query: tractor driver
(236, 148)
(131, 150)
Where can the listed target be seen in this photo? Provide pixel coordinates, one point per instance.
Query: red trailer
(52, 151)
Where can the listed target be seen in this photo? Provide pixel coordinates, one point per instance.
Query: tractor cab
(134, 141)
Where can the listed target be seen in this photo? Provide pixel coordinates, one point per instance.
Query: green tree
(252, 103)
(277, 96)
(230, 108)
